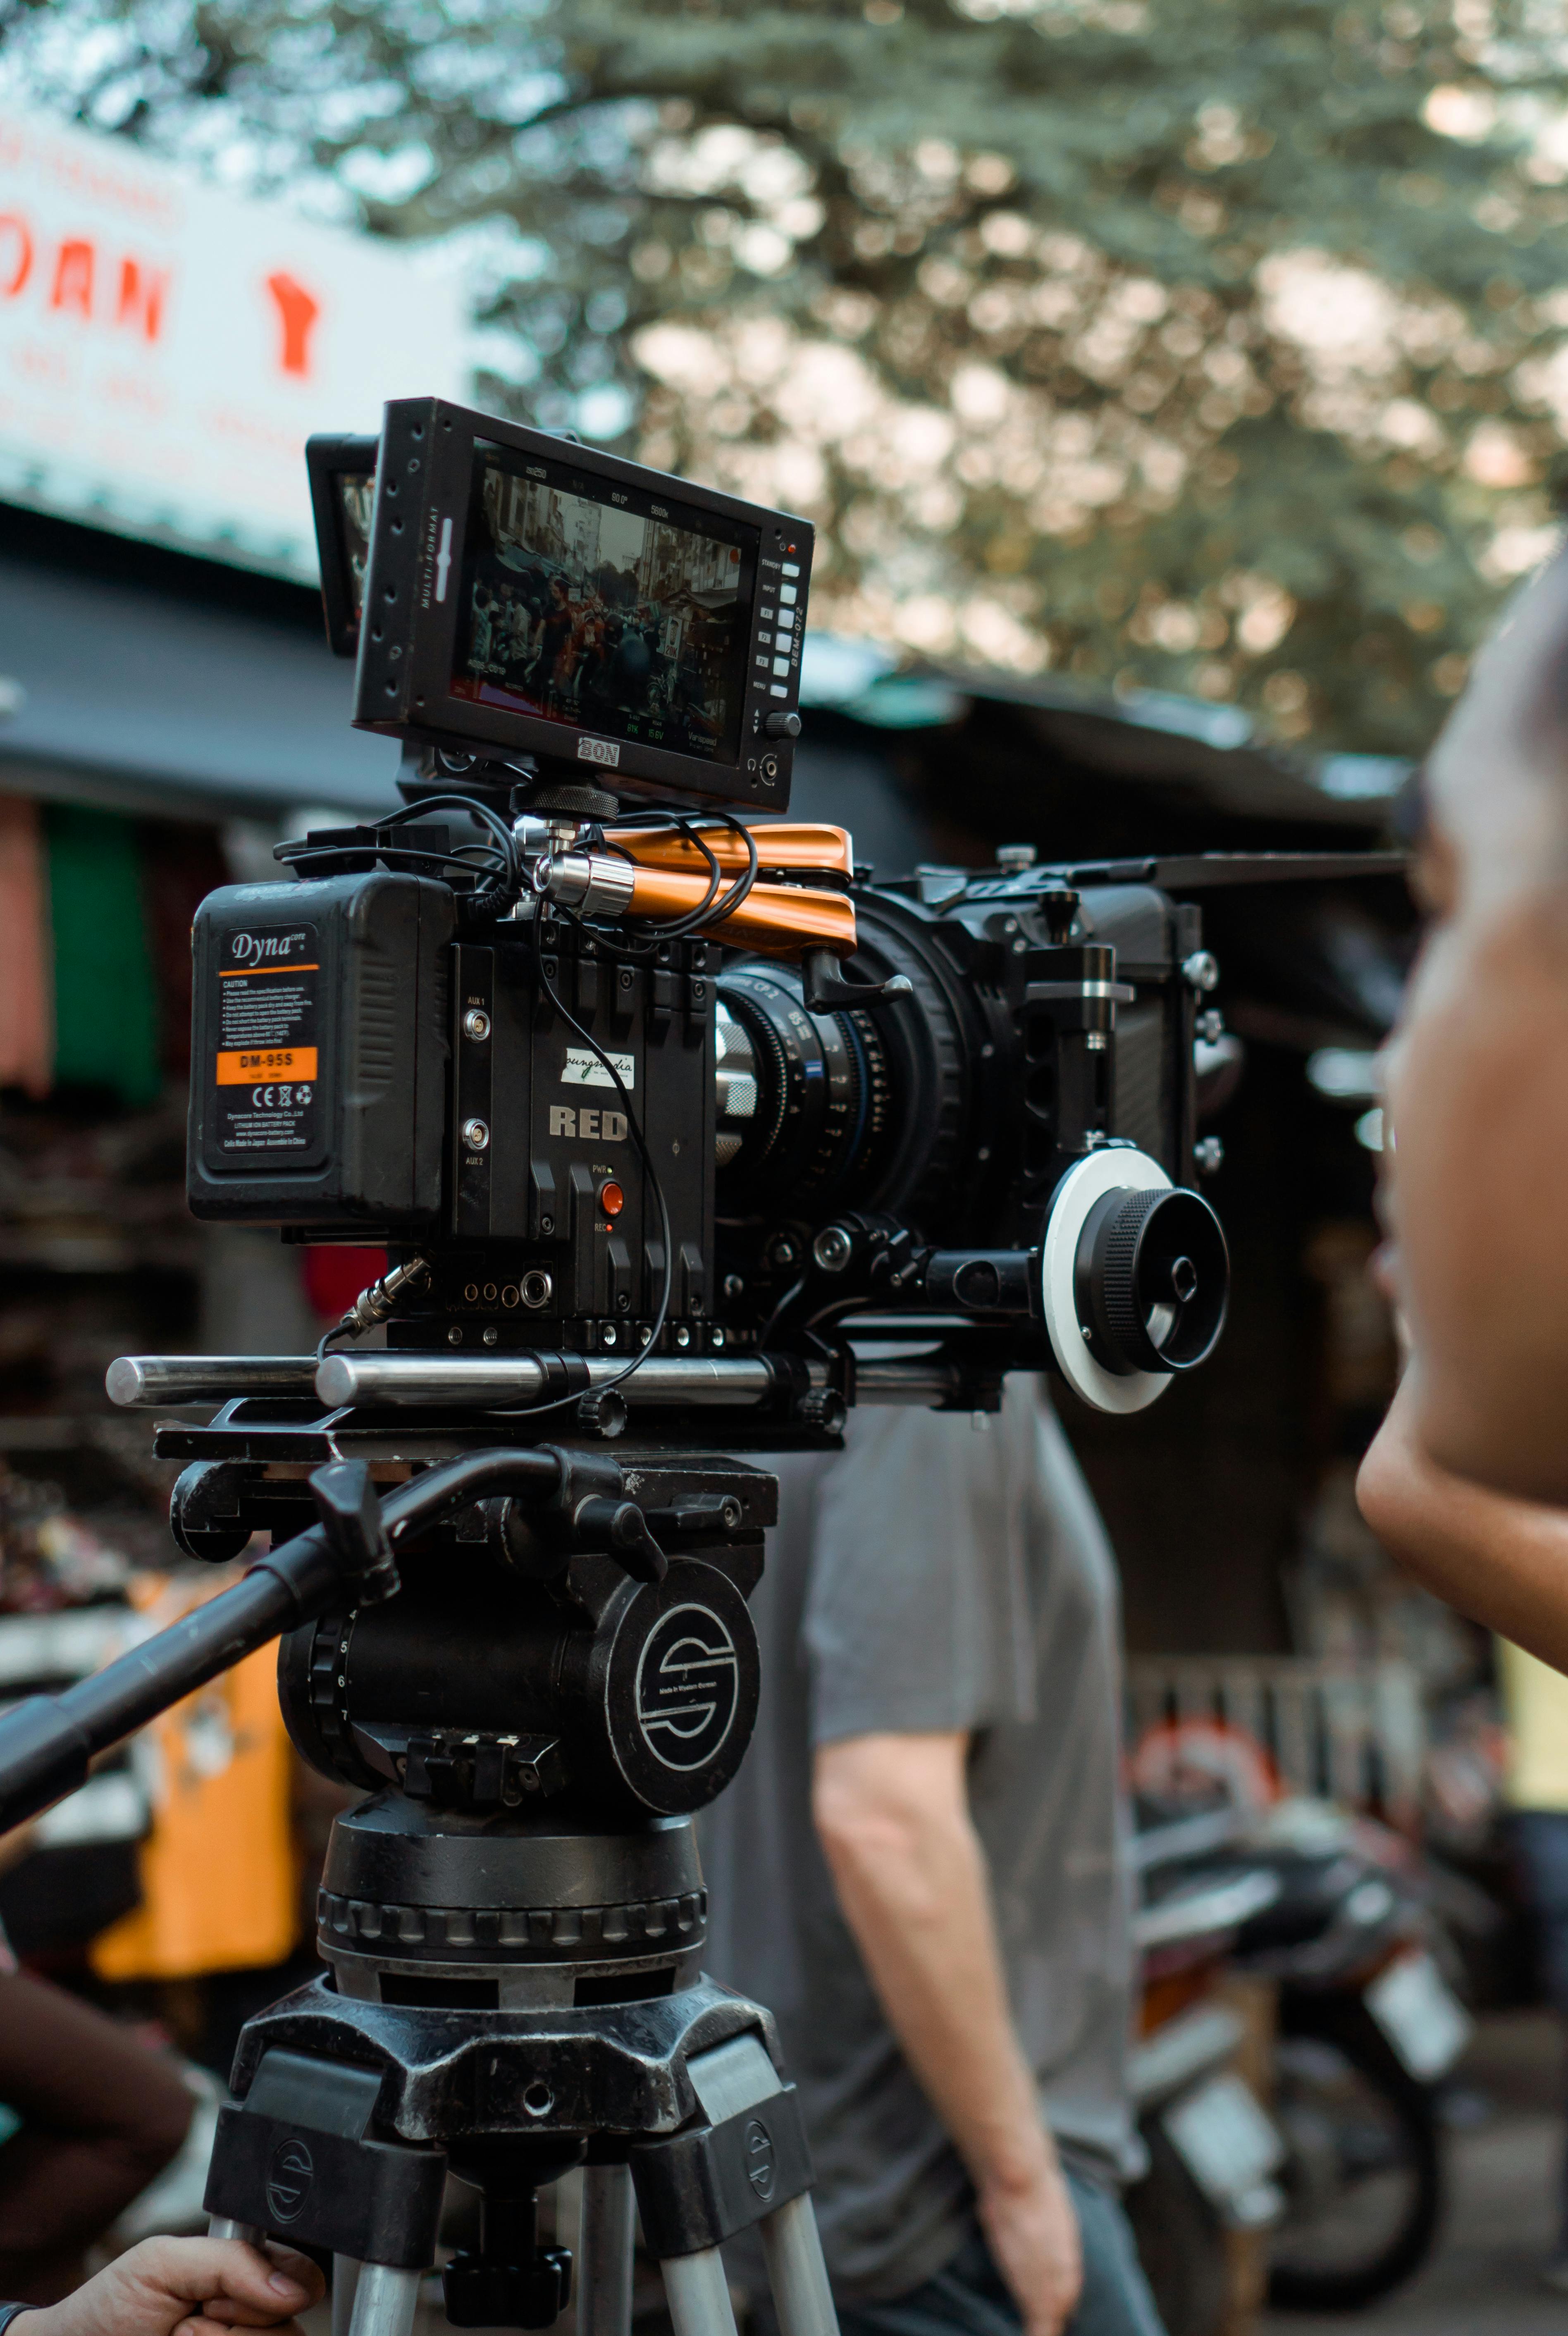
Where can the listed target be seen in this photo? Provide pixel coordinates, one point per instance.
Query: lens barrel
(803, 1098)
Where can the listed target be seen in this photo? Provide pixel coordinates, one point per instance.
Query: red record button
(611, 1199)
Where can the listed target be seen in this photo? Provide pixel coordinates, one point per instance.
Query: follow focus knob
(1152, 1279)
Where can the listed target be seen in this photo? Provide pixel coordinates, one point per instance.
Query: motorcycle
(1368, 2024)
(1213, 2152)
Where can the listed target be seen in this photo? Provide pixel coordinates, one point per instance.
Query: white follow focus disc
(1119, 1168)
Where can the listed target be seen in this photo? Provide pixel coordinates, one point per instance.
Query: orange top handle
(775, 920)
(804, 845)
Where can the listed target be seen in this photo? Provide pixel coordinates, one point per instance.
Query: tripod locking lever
(345, 1496)
(621, 1528)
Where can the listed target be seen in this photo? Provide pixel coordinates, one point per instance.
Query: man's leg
(969, 2295)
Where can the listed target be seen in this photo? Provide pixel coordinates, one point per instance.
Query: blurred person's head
(1477, 1075)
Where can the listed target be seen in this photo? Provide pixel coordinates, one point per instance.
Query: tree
(1219, 346)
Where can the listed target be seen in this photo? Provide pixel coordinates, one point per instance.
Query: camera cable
(494, 867)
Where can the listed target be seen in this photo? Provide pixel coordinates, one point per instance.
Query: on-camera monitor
(613, 610)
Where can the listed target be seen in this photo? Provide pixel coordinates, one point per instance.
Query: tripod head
(508, 1624)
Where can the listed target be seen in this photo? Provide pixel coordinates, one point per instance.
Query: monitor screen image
(616, 613)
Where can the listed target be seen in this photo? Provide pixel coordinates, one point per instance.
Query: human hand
(1032, 2232)
(183, 2287)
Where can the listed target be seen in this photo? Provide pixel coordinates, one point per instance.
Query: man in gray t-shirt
(920, 1870)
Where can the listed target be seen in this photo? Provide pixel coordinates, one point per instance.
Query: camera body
(378, 1066)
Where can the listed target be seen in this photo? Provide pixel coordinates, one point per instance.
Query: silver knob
(832, 1249)
(1202, 969)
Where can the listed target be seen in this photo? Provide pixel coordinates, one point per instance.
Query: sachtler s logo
(687, 1687)
(761, 2166)
(266, 949)
(289, 2174)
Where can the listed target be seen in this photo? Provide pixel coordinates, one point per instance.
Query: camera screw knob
(1208, 1153)
(476, 1023)
(832, 1249)
(1202, 969)
(603, 1412)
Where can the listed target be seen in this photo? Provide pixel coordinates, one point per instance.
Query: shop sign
(166, 348)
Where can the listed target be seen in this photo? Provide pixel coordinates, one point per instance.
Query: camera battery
(319, 1052)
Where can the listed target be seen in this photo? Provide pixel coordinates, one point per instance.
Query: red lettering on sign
(142, 292)
(297, 311)
(73, 286)
(13, 232)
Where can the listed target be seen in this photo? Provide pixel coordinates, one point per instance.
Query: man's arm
(893, 1817)
(1501, 1561)
(184, 2287)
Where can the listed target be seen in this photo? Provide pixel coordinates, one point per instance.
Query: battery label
(266, 1103)
(271, 1063)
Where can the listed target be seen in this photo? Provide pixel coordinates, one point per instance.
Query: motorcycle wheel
(1364, 2179)
(1180, 2243)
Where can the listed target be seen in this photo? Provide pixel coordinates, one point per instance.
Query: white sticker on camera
(585, 1070)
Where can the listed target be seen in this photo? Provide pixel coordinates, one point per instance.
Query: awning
(124, 693)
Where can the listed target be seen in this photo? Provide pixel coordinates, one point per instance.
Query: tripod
(682, 2108)
(538, 1678)
(354, 2110)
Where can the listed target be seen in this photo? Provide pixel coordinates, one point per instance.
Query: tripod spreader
(48, 1742)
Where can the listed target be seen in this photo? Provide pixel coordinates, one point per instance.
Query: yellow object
(1535, 1708)
(218, 1878)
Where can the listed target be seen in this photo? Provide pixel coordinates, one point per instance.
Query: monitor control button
(782, 726)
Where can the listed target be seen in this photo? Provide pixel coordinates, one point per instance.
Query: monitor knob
(782, 726)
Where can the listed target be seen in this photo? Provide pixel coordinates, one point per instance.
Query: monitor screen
(614, 611)
(355, 501)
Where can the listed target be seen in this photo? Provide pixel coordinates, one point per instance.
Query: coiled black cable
(497, 867)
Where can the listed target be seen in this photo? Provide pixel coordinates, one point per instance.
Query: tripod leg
(604, 2275)
(796, 2271)
(344, 2280)
(223, 2226)
(697, 2293)
(384, 2301)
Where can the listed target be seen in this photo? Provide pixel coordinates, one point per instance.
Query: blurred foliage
(1217, 346)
